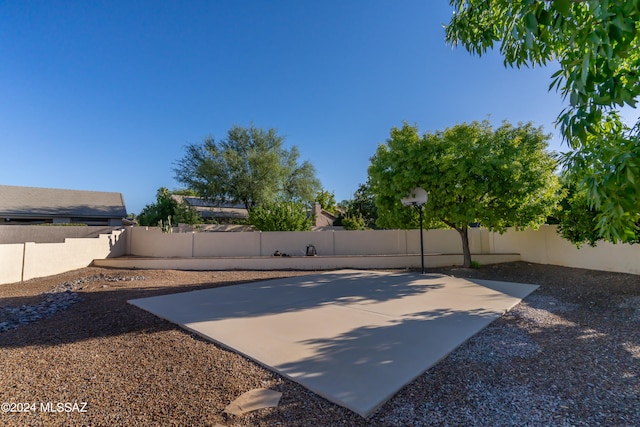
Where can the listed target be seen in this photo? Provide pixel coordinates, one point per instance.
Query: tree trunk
(464, 235)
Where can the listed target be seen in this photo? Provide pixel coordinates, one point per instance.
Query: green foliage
(166, 226)
(475, 264)
(361, 207)
(353, 222)
(250, 166)
(280, 216)
(186, 214)
(299, 181)
(607, 170)
(364, 205)
(473, 173)
(167, 207)
(154, 212)
(582, 218)
(576, 217)
(185, 192)
(327, 200)
(596, 45)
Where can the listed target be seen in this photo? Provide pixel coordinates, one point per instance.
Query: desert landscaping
(567, 355)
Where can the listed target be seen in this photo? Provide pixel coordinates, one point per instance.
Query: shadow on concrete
(106, 312)
(288, 295)
(99, 313)
(356, 337)
(364, 367)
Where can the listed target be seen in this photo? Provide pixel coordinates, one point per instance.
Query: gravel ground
(73, 352)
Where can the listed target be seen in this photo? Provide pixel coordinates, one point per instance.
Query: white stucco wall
(382, 249)
(152, 242)
(296, 242)
(30, 260)
(226, 244)
(545, 246)
(542, 246)
(530, 244)
(49, 234)
(371, 242)
(11, 263)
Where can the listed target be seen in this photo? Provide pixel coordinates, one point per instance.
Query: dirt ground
(568, 355)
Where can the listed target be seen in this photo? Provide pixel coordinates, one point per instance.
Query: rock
(59, 298)
(253, 400)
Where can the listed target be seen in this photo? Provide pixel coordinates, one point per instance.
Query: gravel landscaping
(73, 352)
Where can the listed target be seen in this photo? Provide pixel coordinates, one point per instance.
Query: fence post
(24, 254)
(129, 241)
(333, 239)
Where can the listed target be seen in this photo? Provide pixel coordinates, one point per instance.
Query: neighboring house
(322, 218)
(222, 213)
(32, 205)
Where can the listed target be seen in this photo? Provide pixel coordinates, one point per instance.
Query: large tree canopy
(250, 166)
(597, 46)
(473, 173)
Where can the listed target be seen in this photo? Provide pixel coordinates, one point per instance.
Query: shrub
(166, 207)
(354, 222)
(280, 216)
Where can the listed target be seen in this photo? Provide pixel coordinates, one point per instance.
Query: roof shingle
(32, 201)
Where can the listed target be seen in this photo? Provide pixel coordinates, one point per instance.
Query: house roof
(33, 201)
(210, 209)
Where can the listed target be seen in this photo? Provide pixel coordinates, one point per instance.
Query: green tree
(327, 200)
(280, 216)
(251, 166)
(577, 219)
(185, 192)
(165, 207)
(580, 220)
(363, 205)
(473, 173)
(361, 211)
(353, 222)
(597, 46)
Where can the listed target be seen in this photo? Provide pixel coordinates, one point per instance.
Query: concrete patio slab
(354, 337)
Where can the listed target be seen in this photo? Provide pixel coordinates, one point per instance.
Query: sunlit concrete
(354, 337)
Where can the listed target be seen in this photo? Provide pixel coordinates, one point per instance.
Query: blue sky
(105, 95)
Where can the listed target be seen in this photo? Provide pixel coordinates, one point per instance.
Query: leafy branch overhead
(596, 44)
